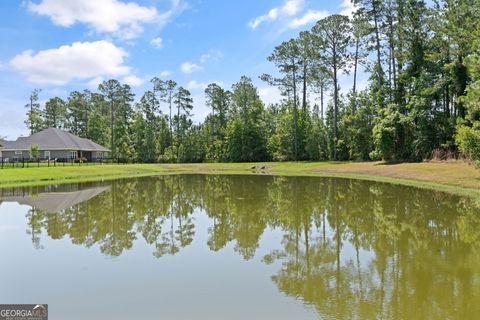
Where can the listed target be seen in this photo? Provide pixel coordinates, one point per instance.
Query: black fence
(57, 162)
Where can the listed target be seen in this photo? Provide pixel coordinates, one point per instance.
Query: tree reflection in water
(352, 249)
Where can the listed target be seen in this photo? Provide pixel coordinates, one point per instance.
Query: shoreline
(453, 177)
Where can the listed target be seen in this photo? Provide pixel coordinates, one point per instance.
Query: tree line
(422, 96)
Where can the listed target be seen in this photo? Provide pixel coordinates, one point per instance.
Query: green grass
(454, 177)
(13, 177)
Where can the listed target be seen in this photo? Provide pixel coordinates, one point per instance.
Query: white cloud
(165, 73)
(311, 16)
(95, 82)
(292, 7)
(124, 19)
(348, 8)
(157, 42)
(272, 15)
(270, 95)
(288, 9)
(80, 60)
(213, 54)
(133, 81)
(189, 67)
(195, 85)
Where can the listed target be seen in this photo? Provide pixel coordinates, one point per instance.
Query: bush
(468, 141)
(389, 136)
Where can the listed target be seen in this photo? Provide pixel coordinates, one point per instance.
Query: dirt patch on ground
(456, 173)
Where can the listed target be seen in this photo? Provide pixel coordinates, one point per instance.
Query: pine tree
(55, 113)
(34, 120)
(333, 37)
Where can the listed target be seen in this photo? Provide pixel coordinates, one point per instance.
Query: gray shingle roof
(53, 139)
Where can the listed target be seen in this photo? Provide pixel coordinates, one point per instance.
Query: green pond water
(240, 247)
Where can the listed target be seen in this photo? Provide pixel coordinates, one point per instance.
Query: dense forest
(422, 98)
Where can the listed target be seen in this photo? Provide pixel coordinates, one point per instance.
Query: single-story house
(54, 144)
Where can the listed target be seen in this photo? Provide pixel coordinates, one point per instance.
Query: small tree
(34, 120)
(390, 135)
(468, 141)
(34, 151)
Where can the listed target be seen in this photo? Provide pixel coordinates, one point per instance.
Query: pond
(240, 247)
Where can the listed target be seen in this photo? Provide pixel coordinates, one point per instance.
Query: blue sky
(65, 45)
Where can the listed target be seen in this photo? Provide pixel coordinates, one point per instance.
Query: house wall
(100, 155)
(11, 154)
(56, 154)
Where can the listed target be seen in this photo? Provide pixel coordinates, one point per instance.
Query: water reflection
(51, 201)
(351, 249)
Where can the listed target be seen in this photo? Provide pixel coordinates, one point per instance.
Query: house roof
(53, 139)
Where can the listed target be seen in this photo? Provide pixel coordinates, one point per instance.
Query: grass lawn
(452, 176)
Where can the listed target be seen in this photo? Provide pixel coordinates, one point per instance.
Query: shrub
(468, 141)
(390, 135)
(34, 151)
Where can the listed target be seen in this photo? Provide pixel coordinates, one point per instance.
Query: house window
(73, 155)
(46, 154)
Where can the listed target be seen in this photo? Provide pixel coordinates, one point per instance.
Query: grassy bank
(456, 176)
